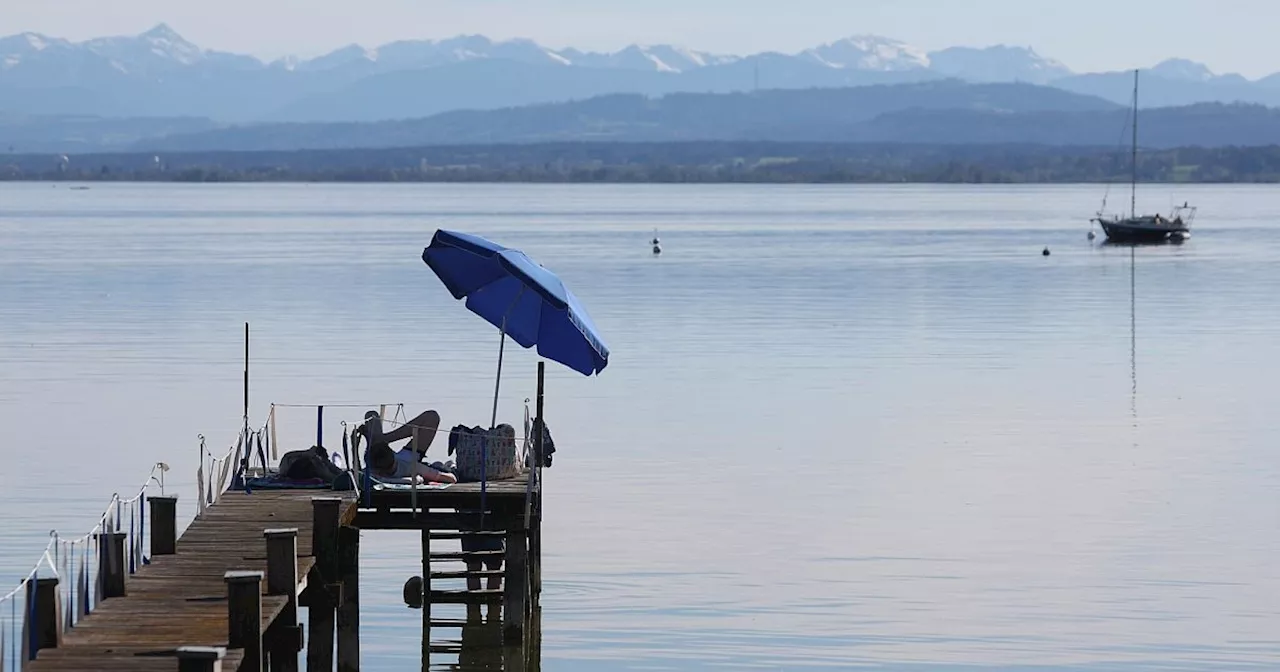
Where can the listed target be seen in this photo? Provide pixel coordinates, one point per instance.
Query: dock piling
(164, 525)
(284, 636)
(48, 624)
(426, 595)
(323, 583)
(111, 564)
(200, 658)
(349, 610)
(244, 616)
(515, 587)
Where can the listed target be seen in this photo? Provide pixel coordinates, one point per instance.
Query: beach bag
(499, 462)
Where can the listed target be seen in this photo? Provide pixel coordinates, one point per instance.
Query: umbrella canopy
(520, 297)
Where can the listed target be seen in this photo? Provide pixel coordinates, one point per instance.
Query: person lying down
(406, 463)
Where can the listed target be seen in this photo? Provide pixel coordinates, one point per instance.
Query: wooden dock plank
(180, 600)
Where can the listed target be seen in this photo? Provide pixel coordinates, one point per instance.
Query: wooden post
(535, 533)
(244, 616)
(48, 625)
(164, 525)
(111, 564)
(320, 613)
(200, 658)
(426, 596)
(349, 611)
(535, 550)
(516, 586)
(282, 579)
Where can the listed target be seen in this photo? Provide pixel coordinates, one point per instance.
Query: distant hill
(812, 114)
(160, 74)
(941, 113)
(79, 134)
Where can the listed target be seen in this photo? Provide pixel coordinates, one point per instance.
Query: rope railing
(74, 560)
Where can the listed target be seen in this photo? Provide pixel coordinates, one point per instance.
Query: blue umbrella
(521, 298)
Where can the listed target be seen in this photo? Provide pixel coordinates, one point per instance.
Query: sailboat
(1144, 228)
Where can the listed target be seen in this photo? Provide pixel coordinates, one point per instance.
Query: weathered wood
(325, 522)
(48, 624)
(244, 616)
(164, 525)
(535, 552)
(477, 573)
(477, 556)
(456, 496)
(349, 613)
(447, 536)
(406, 520)
(200, 658)
(283, 640)
(482, 596)
(321, 619)
(535, 525)
(181, 600)
(515, 587)
(426, 600)
(112, 567)
(321, 614)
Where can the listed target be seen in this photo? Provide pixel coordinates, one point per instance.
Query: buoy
(657, 250)
(413, 592)
(1046, 252)
(1092, 235)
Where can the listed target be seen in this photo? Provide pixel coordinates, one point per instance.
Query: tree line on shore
(696, 162)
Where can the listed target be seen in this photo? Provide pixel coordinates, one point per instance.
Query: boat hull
(1143, 230)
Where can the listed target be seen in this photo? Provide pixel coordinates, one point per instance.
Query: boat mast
(1133, 193)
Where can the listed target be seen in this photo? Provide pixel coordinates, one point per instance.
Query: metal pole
(493, 422)
(246, 376)
(245, 429)
(1133, 193)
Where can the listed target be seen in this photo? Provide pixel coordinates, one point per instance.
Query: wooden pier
(226, 594)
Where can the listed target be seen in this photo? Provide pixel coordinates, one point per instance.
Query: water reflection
(1133, 336)
(474, 643)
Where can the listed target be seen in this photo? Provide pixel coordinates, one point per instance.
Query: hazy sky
(1228, 35)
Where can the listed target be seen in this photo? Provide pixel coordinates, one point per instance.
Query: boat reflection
(1144, 243)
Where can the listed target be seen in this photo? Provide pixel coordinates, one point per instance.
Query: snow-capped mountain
(158, 50)
(656, 58)
(159, 73)
(868, 52)
(997, 64)
(1184, 70)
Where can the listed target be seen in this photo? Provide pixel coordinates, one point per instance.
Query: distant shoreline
(220, 180)
(722, 162)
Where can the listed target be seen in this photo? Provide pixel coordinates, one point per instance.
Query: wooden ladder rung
(463, 623)
(465, 596)
(466, 575)
(467, 555)
(438, 536)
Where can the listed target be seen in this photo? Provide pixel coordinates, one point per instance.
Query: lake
(841, 426)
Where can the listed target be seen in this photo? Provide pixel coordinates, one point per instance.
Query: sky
(1087, 35)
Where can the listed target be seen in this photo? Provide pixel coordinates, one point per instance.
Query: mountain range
(160, 74)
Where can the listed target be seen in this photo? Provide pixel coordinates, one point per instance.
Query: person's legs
(473, 583)
(495, 580)
(426, 423)
(428, 474)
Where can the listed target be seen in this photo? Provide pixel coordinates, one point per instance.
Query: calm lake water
(842, 426)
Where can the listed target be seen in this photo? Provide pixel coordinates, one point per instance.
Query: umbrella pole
(497, 384)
